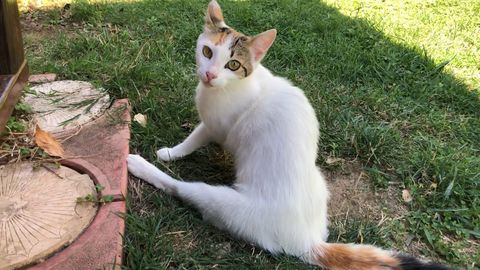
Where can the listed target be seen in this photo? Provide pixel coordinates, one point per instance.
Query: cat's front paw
(137, 166)
(165, 154)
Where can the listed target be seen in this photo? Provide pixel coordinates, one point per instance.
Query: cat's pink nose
(210, 76)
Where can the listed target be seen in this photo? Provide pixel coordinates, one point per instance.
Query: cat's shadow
(210, 164)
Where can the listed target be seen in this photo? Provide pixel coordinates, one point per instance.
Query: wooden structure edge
(13, 66)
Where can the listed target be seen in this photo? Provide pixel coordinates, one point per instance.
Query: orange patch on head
(219, 36)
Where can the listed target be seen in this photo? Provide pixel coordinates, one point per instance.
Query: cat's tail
(336, 256)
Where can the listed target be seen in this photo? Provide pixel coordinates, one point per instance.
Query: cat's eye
(233, 65)
(207, 52)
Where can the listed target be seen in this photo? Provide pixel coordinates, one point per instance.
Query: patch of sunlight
(444, 30)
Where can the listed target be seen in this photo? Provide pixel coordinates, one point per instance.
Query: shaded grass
(176, 237)
(381, 88)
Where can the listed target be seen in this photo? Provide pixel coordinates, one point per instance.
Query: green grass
(395, 85)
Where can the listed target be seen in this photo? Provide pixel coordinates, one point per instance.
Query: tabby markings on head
(238, 47)
(241, 53)
(219, 35)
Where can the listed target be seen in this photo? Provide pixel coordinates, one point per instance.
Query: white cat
(279, 199)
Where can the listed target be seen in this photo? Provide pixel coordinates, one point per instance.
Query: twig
(50, 170)
(358, 180)
(86, 156)
(177, 232)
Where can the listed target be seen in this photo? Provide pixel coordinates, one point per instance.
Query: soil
(37, 22)
(352, 195)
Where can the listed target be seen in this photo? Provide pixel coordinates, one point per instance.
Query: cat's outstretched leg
(195, 140)
(216, 203)
(143, 169)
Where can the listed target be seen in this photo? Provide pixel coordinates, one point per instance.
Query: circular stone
(39, 212)
(63, 106)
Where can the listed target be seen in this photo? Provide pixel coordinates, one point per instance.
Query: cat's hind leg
(223, 206)
(199, 137)
(218, 204)
(143, 169)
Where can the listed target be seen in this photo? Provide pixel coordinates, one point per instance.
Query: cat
(279, 198)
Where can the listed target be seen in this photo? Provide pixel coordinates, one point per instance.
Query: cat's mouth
(207, 83)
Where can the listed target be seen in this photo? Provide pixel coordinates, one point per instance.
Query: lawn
(395, 85)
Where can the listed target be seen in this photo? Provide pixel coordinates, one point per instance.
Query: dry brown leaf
(406, 196)
(48, 143)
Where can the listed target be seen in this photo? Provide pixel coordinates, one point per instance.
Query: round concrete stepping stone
(39, 212)
(64, 106)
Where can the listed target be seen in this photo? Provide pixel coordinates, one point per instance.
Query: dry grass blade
(48, 143)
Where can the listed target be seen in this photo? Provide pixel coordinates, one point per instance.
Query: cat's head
(224, 55)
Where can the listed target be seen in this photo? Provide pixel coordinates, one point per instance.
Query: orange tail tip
(353, 257)
(364, 257)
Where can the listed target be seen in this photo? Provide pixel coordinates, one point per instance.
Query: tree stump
(39, 211)
(63, 107)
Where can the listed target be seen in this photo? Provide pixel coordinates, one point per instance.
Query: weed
(94, 198)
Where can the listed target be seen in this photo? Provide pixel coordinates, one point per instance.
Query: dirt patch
(49, 22)
(352, 195)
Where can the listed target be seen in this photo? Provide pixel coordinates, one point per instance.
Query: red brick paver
(104, 145)
(99, 149)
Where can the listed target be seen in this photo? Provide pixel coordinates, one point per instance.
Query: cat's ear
(260, 44)
(214, 18)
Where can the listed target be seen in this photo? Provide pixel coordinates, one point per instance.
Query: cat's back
(287, 107)
(281, 92)
(275, 141)
(281, 118)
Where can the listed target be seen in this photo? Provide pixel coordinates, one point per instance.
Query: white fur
(279, 199)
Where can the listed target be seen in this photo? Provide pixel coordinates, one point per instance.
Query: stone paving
(100, 149)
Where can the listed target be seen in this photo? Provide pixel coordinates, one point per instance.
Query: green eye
(207, 52)
(233, 65)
